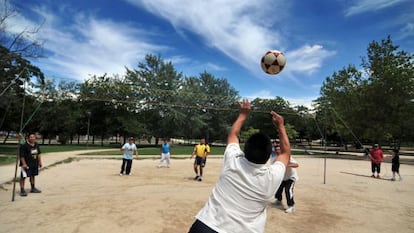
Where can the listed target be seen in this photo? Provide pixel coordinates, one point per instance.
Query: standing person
(246, 184)
(376, 155)
(165, 153)
(30, 162)
(201, 151)
(288, 183)
(275, 151)
(395, 167)
(128, 149)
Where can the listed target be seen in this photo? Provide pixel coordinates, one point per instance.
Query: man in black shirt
(30, 163)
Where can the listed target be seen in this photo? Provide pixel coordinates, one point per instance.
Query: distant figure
(288, 183)
(376, 155)
(128, 148)
(366, 152)
(165, 153)
(395, 167)
(275, 151)
(30, 162)
(201, 151)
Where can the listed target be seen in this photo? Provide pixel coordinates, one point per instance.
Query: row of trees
(374, 104)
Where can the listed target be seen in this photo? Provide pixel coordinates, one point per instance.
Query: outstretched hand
(244, 107)
(277, 119)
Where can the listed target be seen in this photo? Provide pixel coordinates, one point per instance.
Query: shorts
(395, 167)
(31, 171)
(200, 161)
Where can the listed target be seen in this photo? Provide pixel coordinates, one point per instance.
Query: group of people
(246, 185)
(376, 156)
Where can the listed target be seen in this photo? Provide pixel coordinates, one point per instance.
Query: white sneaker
(290, 210)
(120, 174)
(277, 202)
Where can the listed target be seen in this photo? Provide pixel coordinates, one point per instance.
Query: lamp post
(89, 123)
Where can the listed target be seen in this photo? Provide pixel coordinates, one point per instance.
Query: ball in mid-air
(273, 61)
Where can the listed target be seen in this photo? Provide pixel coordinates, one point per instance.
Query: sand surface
(88, 195)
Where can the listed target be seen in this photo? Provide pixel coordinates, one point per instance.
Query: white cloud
(89, 46)
(241, 29)
(263, 94)
(362, 6)
(308, 59)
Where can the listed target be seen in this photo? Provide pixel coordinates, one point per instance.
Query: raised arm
(279, 124)
(235, 129)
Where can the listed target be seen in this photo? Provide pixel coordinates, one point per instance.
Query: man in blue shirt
(165, 153)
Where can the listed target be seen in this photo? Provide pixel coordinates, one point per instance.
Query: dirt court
(88, 195)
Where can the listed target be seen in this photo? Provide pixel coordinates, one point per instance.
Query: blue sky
(224, 37)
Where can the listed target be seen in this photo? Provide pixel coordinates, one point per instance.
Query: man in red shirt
(376, 156)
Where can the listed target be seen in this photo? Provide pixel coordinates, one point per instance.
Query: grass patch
(175, 150)
(8, 152)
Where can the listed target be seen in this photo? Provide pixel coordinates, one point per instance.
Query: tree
(18, 77)
(156, 85)
(374, 105)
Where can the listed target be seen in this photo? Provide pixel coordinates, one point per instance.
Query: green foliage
(375, 104)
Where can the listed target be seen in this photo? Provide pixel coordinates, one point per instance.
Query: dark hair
(258, 148)
(396, 151)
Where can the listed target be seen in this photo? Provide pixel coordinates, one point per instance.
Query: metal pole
(324, 161)
(18, 143)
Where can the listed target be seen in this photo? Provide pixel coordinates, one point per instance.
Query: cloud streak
(362, 6)
(90, 46)
(241, 29)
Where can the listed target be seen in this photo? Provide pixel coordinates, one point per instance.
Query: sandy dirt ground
(88, 195)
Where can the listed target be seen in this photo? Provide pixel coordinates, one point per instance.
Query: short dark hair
(258, 148)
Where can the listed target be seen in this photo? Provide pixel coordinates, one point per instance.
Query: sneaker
(196, 177)
(373, 176)
(290, 210)
(277, 202)
(120, 174)
(130, 174)
(199, 178)
(393, 179)
(35, 190)
(378, 176)
(23, 193)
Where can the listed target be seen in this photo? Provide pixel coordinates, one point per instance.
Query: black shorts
(395, 167)
(200, 161)
(31, 171)
(200, 227)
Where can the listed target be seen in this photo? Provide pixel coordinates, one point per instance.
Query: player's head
(258, 148)
(203, 141)
(395, 151)
(32, 138)
(131, 140)
(375, 146)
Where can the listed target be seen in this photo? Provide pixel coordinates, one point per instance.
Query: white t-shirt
(239, 200)
(291, 173)
(129, 150)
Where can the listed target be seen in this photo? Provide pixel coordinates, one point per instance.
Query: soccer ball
(273, 62)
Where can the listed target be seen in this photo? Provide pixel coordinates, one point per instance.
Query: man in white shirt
(129, 149)
(246, 185)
